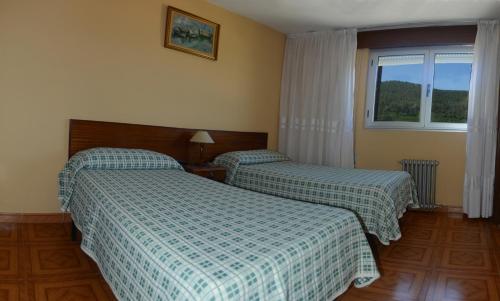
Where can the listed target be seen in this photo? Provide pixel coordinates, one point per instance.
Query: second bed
(378, 197)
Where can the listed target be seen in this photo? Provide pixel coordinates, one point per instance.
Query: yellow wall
(382, 149)
(104, 60)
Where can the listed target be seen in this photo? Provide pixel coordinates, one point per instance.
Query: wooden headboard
(85, 134)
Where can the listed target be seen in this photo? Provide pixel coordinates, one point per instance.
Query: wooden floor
(39, 262)
(440, 257)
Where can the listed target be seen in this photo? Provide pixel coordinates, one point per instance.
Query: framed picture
(192, 34)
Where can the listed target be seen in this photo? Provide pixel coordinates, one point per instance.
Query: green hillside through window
(400, 101)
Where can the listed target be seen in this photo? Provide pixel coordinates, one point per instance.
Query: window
(425, 88)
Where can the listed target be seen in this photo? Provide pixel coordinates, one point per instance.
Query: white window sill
(413, 129)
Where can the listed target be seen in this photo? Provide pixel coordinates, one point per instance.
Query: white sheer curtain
(482, 122)
(317, 98)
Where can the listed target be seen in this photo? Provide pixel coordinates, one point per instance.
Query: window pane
(399, 86)
(450, 95)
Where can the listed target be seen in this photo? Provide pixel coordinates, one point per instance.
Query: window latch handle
(428, 91)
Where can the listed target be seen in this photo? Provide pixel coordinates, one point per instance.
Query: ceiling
(294, 16)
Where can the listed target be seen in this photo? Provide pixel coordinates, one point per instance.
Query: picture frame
(191, 34)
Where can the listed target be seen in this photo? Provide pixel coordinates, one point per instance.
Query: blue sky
(446, 76)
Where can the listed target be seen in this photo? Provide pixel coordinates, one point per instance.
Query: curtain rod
(416, 25)
(393, 26)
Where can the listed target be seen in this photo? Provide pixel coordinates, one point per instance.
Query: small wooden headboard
(85, 134)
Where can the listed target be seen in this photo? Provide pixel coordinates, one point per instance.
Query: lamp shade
(202, 137)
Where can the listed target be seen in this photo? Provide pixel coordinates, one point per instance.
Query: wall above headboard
(108, 63)
(85, 134)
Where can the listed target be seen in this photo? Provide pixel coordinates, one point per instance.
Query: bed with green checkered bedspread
(378, 197)
(170, 235)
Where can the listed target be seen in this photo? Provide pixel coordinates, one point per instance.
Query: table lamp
(202, 137)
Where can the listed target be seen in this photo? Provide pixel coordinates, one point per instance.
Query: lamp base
(201, 154)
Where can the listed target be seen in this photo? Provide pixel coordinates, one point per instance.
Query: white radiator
(424, 175)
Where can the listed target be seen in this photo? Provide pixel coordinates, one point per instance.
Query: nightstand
(212, 172)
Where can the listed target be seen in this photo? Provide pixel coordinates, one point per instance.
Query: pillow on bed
(122, 158)
(109, 158)
(232, 160)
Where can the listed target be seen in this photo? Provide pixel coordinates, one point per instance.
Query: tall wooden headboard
(85, 134)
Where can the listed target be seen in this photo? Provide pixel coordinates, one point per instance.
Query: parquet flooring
(40, 262)
(441, 256)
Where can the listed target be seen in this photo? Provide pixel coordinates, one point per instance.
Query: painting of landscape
(192, 34)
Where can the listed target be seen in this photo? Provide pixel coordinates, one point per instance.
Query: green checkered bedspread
(378, 197)
(170, 235)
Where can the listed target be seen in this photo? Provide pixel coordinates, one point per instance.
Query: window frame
(425, 123)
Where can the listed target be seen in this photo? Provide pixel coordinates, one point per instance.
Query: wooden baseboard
(444, 209)
(20, 218)
(60, 217)
(453, 209)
